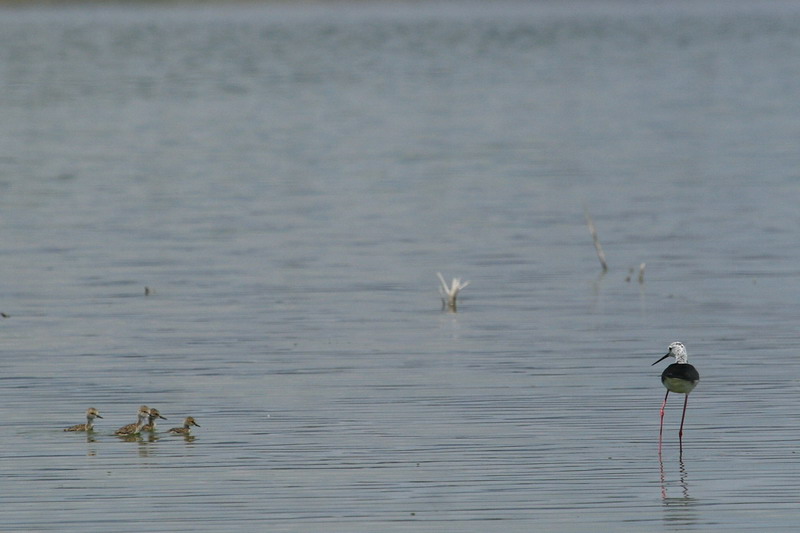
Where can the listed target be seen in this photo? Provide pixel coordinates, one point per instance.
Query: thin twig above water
(599, 249)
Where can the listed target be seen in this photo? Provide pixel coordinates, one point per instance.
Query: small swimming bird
(187, 427)
(91, 414)
(135, 428)
(680, 377)
(152, 416)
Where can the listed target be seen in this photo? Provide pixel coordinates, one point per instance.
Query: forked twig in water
(450, 294)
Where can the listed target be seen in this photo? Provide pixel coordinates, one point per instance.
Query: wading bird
(680, 377)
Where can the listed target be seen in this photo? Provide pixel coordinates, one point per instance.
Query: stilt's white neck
(679, 351)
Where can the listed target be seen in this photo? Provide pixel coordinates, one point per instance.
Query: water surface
(287, 181)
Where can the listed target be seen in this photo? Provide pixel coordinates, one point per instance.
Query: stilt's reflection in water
(678, 510)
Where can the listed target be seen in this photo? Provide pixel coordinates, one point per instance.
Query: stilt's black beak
(668, 354)
(98, 416)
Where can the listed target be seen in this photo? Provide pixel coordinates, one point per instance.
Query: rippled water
(287, 181)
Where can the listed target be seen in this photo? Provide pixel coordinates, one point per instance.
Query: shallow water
(286, 182)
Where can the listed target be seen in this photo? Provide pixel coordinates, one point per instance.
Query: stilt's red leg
(661, 427)
(683, 416)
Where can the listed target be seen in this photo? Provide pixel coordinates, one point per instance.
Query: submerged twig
(450, 294)
(600, 255)
(641, 273)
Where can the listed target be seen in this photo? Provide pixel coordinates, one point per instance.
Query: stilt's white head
(678, 351)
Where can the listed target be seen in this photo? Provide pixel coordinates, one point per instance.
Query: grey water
(285, 181)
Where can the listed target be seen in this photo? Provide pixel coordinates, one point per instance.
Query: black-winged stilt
(680, 377)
